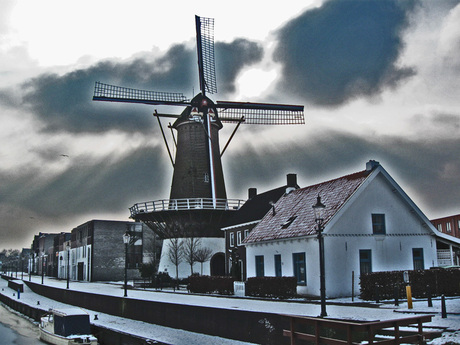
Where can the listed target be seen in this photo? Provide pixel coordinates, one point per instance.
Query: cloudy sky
(378, 79)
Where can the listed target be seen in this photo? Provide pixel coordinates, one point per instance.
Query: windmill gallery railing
(185, 204)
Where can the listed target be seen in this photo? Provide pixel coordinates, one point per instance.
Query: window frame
(299, 267)
(260, 266)
(231, 239)
(418, 260)
(278, 264)
(365, 262)
(378, 224)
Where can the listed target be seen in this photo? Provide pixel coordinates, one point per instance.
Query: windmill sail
(112, 93)
(205, 51)
(261, 113)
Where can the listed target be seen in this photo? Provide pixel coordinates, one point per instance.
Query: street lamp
(318, 209)
(67, 249)
(43, 267)
(126, 239)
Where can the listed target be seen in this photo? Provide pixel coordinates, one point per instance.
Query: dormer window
(288, 222)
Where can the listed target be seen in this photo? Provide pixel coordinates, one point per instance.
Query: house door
(80, 271)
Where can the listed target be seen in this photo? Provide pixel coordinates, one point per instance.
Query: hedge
(275, 287)
(437, 281)
(210, 284)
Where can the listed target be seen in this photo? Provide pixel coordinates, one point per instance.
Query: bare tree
(191, 247)
(202, 255)
(176, 253)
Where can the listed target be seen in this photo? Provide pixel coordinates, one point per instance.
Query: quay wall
(255, 327)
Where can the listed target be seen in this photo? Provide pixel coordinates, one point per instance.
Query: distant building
(238, 227)
(97, 252)
(450, 225)
(370, 224)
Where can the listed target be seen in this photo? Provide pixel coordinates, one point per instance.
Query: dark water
(10, 337)
(15, 330)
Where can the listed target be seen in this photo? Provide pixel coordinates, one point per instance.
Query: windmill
(198, 200)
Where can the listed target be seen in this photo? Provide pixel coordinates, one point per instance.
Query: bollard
(396, 292)
(443, 307)
(409, 296)
(377, 294)
(428, 292)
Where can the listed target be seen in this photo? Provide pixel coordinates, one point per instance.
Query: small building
(244, 220)
(97, 252)
(370, 224)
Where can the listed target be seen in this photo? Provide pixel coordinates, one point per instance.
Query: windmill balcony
(186, 205)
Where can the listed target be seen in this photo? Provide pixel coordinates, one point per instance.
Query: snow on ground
(337, 308)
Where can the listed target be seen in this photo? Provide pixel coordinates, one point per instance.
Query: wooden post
(409, 296)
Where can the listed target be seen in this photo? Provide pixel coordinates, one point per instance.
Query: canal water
(15, 330)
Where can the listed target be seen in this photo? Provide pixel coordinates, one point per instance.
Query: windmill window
(288, 222)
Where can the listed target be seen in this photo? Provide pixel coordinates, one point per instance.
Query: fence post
(396, 292)
(430, 301)
(443, 307)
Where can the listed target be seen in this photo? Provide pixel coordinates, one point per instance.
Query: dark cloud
(427, 170)
(64, 102)
(343, 50)
(231, 58)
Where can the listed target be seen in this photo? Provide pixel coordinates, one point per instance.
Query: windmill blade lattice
(205, 50)
(261, 113)
(112, 93)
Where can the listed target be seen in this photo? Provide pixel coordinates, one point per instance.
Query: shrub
(210, 284)
(436, 281)
(275, 287)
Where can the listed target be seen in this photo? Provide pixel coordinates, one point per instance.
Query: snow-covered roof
(293, 214)
(68, 311)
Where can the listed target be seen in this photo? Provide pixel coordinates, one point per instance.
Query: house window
(238, 238)
(440, 227)
(246, 233)
(417, 255)
(365, 261)
(378, 224)
(277, 265)
(448, 227)
(300, 271)
(232, 239)
(260, 266)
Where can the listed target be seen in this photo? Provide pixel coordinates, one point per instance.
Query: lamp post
(126, 239)
(318, 208)
(30, 266)
(67, 249)
(43, 267)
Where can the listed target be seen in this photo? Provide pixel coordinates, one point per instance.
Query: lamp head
(318, 208)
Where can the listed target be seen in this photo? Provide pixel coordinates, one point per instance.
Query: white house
(370, 224)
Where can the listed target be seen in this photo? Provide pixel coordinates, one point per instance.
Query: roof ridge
(352, 176)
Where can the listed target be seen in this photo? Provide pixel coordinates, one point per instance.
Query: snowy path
(174, 336)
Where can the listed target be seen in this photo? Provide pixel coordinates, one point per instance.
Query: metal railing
(186, 204)
(335, 332)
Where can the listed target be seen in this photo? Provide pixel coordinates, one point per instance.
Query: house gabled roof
(293, 214)
(255, 208)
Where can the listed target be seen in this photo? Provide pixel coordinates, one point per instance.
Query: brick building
(449, 225)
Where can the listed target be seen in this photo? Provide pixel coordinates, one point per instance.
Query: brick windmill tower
(198, 204)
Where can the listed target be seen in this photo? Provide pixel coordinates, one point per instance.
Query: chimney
(291, 183)
(252, 192)
(371, 165)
